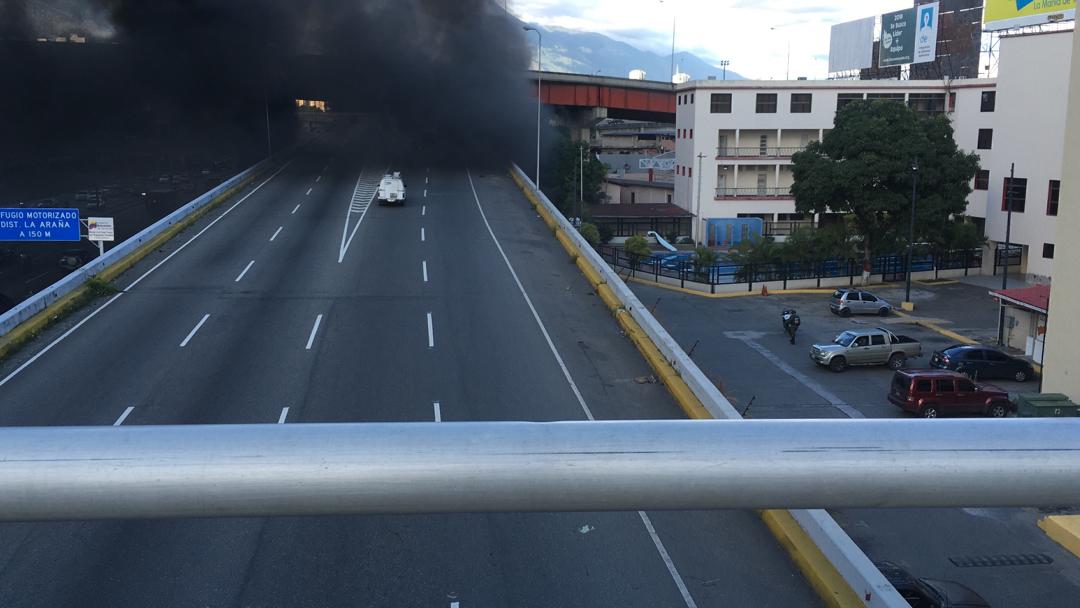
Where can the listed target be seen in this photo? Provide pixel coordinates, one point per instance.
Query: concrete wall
(1060, 369)
(636, 195)
(1033, 84)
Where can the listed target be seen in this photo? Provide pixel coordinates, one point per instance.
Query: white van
(391, 190)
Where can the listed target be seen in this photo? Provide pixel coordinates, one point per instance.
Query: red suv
(931, 393)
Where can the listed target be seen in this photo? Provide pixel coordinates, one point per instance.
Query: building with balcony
(734, 142)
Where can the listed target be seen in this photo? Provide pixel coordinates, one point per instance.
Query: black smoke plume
(175, 77)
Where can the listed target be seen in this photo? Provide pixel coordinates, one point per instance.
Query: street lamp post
(1008, 248)
(787, 65)
(700, 156)
(911, 229)
(723, 64)
(581, 183)
(539, 76)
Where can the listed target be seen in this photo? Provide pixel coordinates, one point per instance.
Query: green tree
(590, 233)
(568, 169)
(638, 249)
(704, 259)
(863, 168)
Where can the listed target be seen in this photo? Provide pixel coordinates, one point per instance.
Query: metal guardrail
(758, 152)
(322, 469)
(39, 301)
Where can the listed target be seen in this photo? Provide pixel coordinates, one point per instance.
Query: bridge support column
(580, 121)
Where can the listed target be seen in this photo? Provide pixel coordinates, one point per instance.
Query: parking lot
(739, 342)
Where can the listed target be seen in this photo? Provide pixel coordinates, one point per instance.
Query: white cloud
(737, 30)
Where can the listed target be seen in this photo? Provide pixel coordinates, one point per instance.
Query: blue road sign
(39, 225)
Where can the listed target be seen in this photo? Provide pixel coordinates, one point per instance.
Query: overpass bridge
(579, 101)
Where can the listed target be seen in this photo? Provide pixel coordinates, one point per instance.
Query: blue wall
(729, 231)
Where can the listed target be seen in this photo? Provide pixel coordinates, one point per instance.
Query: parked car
(846, 302)
(982, 363)
(932, 393)
(876, 346)
(929, 592)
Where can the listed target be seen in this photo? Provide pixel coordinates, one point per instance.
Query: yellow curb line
(935, 327)
(1063, 529)
(30, 327)
(815, 567)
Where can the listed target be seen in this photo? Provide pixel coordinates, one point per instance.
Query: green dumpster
(1045, 405)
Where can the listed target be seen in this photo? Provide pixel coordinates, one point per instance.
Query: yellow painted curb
(590, 273)
(567, 244)
(815, 567)
(30, 327)
(935, 327)
(821, 574)
(1064, 530)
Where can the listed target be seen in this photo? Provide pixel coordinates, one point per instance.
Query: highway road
(740, 345)
(298, 302)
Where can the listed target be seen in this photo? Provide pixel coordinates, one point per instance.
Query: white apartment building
(734, 141)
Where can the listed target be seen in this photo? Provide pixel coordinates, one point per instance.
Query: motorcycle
(791, 322)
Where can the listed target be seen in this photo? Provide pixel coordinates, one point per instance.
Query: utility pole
(911, 231)
(581, 183)
(697, 215)
(1008, 247)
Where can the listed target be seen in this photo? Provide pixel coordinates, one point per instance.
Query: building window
(669, 198)
(691, 98)
(1048, 251)
(986, 139)
(720, 103)
(982, 179)
(633, 197)
(766, 103)
(927, 103)
(1052, 197)
(989, 98)
(952, 102)
(1018, 187)
(842, 99)
(885, 97)
(691, 134)
(800, 103)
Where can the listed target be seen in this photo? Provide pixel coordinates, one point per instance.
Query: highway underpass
(296, 302)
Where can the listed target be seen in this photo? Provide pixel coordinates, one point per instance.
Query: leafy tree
(638, 249)
(590, 233)
(704, 259)
(863, 168)
(605, 233)
(562, 184)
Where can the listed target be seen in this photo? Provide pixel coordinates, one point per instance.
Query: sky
(754, 35)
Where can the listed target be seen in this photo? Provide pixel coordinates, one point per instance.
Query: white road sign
(100, 229)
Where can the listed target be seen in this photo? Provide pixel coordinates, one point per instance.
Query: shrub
(685, 241)
(590, 233)
(638, 246)
(605, 233)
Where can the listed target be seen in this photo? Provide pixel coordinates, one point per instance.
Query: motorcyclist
(791, 322)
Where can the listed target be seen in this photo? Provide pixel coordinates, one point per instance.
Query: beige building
(1062, 364)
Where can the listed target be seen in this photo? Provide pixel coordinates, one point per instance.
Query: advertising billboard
(1006, 14)
(926, 32)
(897, 38)
(851, 45)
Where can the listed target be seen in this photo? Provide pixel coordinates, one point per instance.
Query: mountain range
(580, 52)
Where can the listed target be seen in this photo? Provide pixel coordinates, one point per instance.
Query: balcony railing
(758, 152)
(760, 192)
(787, 227)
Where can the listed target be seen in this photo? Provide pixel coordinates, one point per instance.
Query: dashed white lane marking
(296, 208)
(426, 180)
(672, 570)
(314, 330)
(425, 192)
(194, 330)
(363, 194)
(438, 411)
(276, 232)
(750, 339)
(244, 271)
(430, 332)
(124, 416)
(424, 266)
(455, 604)
(317, 179)
(423, 235)
(423, 209)
(308, 193)
(283, 416)
(199, 233)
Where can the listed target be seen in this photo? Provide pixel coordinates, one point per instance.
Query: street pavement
(297, 298)
(739, 343)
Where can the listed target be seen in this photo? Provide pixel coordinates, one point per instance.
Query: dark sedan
(982, 362)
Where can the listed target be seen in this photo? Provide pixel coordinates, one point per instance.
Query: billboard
(1005, 14)
(909, 35)
(851, 45)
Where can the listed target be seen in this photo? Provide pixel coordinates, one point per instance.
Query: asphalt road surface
(740, 345)
(293, 305)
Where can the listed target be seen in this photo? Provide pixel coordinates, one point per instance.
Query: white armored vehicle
(391, 190)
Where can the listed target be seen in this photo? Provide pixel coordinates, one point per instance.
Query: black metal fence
(681, 267)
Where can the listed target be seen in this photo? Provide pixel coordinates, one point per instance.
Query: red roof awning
(1035, 298)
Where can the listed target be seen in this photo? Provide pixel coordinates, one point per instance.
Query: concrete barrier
(833, 564)
(116, 256)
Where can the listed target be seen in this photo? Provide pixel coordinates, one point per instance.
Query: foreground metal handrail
(310, 469)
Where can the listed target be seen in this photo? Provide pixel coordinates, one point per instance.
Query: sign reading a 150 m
(39, 225)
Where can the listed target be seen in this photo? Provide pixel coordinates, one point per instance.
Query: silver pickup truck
(866, 347)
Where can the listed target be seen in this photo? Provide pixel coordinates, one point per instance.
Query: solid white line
(430, 332)
(296, 208)
(422, 235)
(308, 193)
(283, 416)
(208, 226)
(58, 340)
(424, 266)
(244, 271)
(195, 329)
(314, 330)
(348, 213)
(438, 412)
(667, 561)
(536, 316)
(317, 179)
(423, 210)
(277, 232)
(124, 416)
